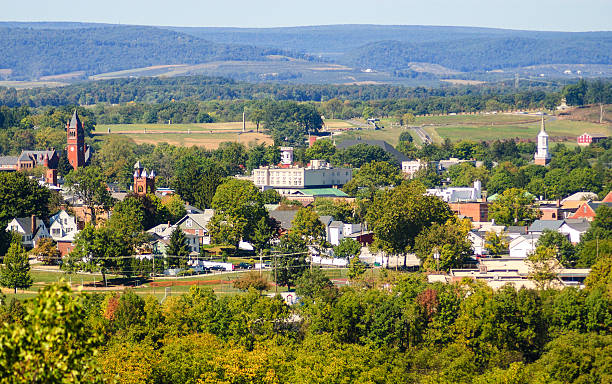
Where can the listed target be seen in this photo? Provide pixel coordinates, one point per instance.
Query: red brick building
(476, 211)
(78, 151)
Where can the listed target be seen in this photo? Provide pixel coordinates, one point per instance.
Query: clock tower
(76, 142)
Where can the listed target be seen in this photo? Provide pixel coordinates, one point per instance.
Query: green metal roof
(323, 192)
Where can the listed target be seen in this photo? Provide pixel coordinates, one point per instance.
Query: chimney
(33, 227)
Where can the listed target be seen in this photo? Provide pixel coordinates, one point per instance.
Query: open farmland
(485, 127)
(208, 136)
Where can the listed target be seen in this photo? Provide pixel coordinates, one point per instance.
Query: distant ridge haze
(37, 49)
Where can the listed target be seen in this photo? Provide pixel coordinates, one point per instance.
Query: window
(189, 223)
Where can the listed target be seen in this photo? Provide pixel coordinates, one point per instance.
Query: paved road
(422, 134)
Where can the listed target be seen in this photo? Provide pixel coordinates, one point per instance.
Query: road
(425, 139)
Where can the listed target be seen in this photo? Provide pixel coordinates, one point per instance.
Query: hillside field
(485, 127)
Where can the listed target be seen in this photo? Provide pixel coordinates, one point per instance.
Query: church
(78, 152)
(542, 155)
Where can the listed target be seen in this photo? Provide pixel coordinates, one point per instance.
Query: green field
(221, 283)
(484, 127)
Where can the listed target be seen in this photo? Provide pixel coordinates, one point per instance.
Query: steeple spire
(543, 127)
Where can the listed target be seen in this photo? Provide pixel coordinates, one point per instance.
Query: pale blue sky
(560, 15)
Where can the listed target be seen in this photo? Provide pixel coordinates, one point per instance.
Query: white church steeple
(542, 156)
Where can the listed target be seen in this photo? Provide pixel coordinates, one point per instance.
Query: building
(587, 210)
(31, 229)
(144, 182)
(410, 167)
(444, 165)
(195, 227)
(498, 272)
(475, 211)
(78, 151)
(524, 245)
(286, 155)
(574, 229)
(62, 224)
(319, 174)
(458, 194)
(542, 156)
(586, 139)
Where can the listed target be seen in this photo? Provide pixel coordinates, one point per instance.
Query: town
(352, 203)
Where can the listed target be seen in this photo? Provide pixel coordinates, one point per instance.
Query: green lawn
(193, 127)
(482, 127)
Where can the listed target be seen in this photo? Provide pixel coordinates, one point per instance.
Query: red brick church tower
(143, 182)
(76, 142)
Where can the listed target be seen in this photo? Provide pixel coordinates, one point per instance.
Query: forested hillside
(32, 53)
(34, 50)
(482, 54)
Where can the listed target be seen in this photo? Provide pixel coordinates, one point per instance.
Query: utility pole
(243, 121)
(275, 268)
(516, 80)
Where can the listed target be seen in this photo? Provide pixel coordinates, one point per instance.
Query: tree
(20, 197)
(270, 196)
(398, 216)
(333, 106)
(196, 179)
(178, 249)
(356, 268)
(16, 270)
(290, 262)
(257, 116)
(347, 248)
(373, 176)
(601, 274)
(321, 150)
(513, 207)
(340, 210)
(238, 208)
(449, 240)
(289, 121)
(313, 283)
(175, 207)
(496, 243)
(89, 185)
(252, 280)
(47, 252)
(564, 250)
(306, 224)
(52, 344)
(543, 266)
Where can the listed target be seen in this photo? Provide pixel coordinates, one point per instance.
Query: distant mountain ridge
(33, 50)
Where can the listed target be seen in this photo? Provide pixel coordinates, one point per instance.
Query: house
(477, 238)
(162, 231)
(284, 218)
(410, 167)
(587, 210)
(62, 224)
(457, 194)
(586, 139)
(195, 227)
(574, 229)
(444, 165)
(66, 244)
(31, 229)
(539, 226)
(523, 246)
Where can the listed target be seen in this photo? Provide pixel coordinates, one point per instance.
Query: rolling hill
(395, 54)
(31, 53)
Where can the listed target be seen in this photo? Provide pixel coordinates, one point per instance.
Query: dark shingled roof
(376, 143)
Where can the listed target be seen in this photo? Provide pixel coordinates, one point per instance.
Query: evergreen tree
(178, 249)
(16, 270)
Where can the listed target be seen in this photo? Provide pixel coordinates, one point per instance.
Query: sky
(557, 15)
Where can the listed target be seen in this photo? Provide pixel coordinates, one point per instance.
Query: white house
(574, 229)
(524, 245)
(62, 224)
(31, 229)
(477, 238)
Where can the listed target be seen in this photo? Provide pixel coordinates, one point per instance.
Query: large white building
(318, 174)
